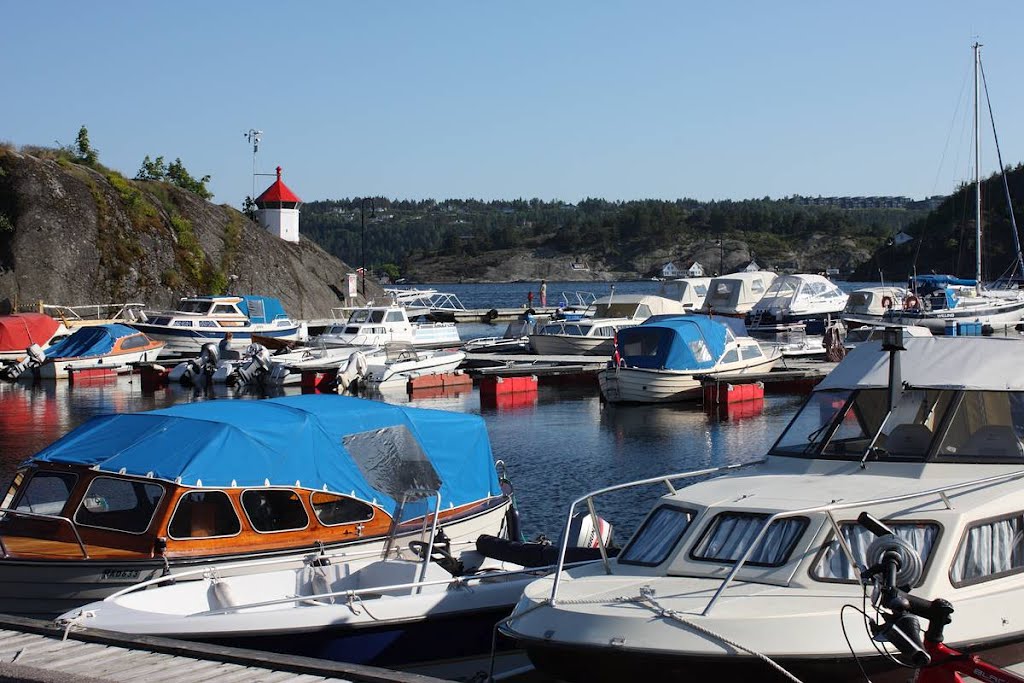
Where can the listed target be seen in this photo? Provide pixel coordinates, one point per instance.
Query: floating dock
(34, 650)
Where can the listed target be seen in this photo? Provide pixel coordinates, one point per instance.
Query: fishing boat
(131, 497)
(199, 320)
(801, 299)
(18, 331)
(666, 357)
(941, 301)
(105, 347)
(378, 326)
(751, 571)
(736, 294)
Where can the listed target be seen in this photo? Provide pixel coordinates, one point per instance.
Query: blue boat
(112, 347)
(199, 320)
(126, 497)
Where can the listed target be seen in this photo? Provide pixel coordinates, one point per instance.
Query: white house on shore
(279, 210)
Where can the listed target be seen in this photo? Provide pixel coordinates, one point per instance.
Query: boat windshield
(366, 315)
(201, 306)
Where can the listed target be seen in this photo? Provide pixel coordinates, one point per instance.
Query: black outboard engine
(189, 372)
(256, 365)
(34, 359)
(583, 545)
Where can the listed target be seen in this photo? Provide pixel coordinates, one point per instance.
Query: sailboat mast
(977, 166)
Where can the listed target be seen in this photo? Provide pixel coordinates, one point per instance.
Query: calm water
(557, 447)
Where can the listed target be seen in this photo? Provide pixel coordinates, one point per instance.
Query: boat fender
(911, 302)
(492, 314)
(887, 302)
(219, 594)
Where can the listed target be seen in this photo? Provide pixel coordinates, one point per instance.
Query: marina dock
(34, 650)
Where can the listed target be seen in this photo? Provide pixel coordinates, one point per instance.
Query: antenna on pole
(253, 136)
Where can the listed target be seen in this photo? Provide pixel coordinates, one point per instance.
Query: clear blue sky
(557, 100)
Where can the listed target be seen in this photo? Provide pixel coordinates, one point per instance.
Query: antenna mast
(977, 165)
(253, 136)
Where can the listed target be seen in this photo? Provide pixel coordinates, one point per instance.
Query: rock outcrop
(75, 235)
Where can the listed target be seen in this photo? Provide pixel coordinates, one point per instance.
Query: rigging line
(1002, 170)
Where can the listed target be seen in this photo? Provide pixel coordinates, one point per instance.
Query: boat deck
(33, 650)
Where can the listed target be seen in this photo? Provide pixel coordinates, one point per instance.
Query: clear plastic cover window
(986, 426)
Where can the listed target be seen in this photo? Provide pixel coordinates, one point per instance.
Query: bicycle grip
(904, 633)
(872, 524)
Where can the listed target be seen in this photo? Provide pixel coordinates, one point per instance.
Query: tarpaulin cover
(261, 309)
(941, 363)
(688, 342)
(932, 282)
(291, 441)
(90, 341)
(19, 331)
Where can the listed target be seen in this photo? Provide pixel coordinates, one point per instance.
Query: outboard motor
(257, 365)
(189, 372)
(34, 359)
(355, 369)
(583, 545)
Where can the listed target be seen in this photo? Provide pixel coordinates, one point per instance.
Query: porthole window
(271, 510)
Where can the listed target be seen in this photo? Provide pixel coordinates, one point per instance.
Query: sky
(625, 100)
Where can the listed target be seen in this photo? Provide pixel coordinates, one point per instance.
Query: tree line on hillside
(399, 230)
(944, 241)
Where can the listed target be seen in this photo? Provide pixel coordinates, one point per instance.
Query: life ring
(911, 302)
(887, 302)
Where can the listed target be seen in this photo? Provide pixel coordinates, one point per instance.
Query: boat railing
(941, 492)
(72, 315)
(589, 500)
(51, 518)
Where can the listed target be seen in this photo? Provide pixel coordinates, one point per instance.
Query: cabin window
(808, 429)
(376, 316)
(186, 306)
(730, 533)
(640, 342)
(204, 514)
(833, 565)
(359, 316)
(701, 290)
(643, 311)
(986, 427)
(207, 323)
(658, 536)
(858, 425)
(990, 550)
(394, 317)
(332, 509)
(752, 351)
(757, 286)
(45, 494)
(119, 504)
(183, 323)
(731, 356)
(134, 342)
(161, 321)
(700, 351)
(221, 309)
(255, 309)
(272, 510)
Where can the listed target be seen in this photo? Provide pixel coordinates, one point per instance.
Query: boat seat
(908, 439)
(203, 520)
(998, 441)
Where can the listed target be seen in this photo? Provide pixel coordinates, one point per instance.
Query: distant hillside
(472, 240)
(74, 234)
(944, 240)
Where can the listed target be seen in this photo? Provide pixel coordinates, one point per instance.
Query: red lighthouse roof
(278, 193)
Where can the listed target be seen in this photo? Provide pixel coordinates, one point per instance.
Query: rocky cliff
(73, 235)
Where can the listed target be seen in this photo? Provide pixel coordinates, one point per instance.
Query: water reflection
(559, 442)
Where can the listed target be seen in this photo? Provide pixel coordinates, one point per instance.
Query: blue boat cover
(90, 341)
(681, 342)
(345, 445)
(261, 309)
(933, 282)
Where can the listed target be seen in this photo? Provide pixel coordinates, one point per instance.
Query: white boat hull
(994, 312)
(640, 385)
(60, 368)
(380, 371)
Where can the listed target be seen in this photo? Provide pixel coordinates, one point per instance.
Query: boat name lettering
(120, 574)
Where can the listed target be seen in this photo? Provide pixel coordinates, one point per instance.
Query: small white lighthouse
(279, 210)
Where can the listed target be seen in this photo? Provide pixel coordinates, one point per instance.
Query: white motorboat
(731, 577)
(868, 305)
(200, 320)
(735, 294)
(593, 335)
(105, 347)
(398, 363)
(689, 291)
(377, 326)
(805, 299)
(665, 358)
(438, 306)
(865, 333)
(515, 339)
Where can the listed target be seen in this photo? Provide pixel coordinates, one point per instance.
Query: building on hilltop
(279, 210)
